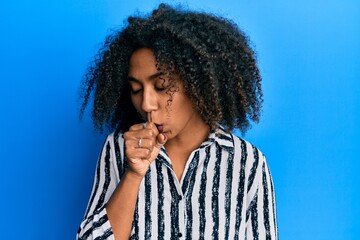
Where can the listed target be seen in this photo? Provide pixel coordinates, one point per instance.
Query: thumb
(160, 140)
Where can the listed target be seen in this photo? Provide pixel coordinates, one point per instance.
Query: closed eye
(135, 85)
(159, 89)
(135, 91)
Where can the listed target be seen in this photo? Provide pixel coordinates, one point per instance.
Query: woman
(171, 86)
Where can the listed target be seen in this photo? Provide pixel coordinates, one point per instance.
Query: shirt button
(179, 234)
(180, 197)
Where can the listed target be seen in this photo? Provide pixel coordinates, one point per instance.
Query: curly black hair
(210, 54)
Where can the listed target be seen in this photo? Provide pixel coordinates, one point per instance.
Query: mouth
(160, 128)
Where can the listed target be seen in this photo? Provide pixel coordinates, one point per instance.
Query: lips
(160, 128)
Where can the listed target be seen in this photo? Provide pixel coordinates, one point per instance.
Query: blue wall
(309, 57)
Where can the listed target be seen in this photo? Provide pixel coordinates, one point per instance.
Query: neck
(188, 141)
(180, 148)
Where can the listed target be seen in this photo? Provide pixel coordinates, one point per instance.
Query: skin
(176, 126)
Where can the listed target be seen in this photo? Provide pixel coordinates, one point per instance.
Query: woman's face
(150, 94)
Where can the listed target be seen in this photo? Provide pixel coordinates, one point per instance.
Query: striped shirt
(226, 192)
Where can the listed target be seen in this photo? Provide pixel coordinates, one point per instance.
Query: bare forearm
(121, 206)
(142, 145)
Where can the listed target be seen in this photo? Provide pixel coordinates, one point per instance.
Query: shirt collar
(221, 137)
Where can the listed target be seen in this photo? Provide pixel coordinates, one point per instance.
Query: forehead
(143, 68)
(142, 63)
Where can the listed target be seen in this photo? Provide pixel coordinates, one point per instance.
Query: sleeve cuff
(97, 226)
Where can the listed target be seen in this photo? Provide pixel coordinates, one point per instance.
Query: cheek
(183, 106)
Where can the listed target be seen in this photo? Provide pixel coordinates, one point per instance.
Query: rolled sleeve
(96, 224)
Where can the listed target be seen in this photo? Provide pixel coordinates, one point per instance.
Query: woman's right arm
(122, 204)
(113, 217)
(121, 207)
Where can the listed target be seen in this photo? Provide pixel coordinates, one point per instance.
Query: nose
(149, 101)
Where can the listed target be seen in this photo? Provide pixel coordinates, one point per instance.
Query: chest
(208, 201)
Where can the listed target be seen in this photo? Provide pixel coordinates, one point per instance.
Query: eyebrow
(152, 77)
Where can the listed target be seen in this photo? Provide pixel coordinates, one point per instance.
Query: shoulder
(114, 145)
(256, 169)
(249, 156)
(245, 148)
(115, 139)
(240, 147)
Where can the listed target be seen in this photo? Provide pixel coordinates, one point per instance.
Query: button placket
(182, 213)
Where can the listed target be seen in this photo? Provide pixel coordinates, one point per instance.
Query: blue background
(309, 55)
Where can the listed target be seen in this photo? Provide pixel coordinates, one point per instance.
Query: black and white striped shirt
(226, 192)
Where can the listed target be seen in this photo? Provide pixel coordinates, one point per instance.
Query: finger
(139, 153)
(152, 126)
(147, 133)
(136, 127)
(161, 140)
(145, 125)
(139, 144)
